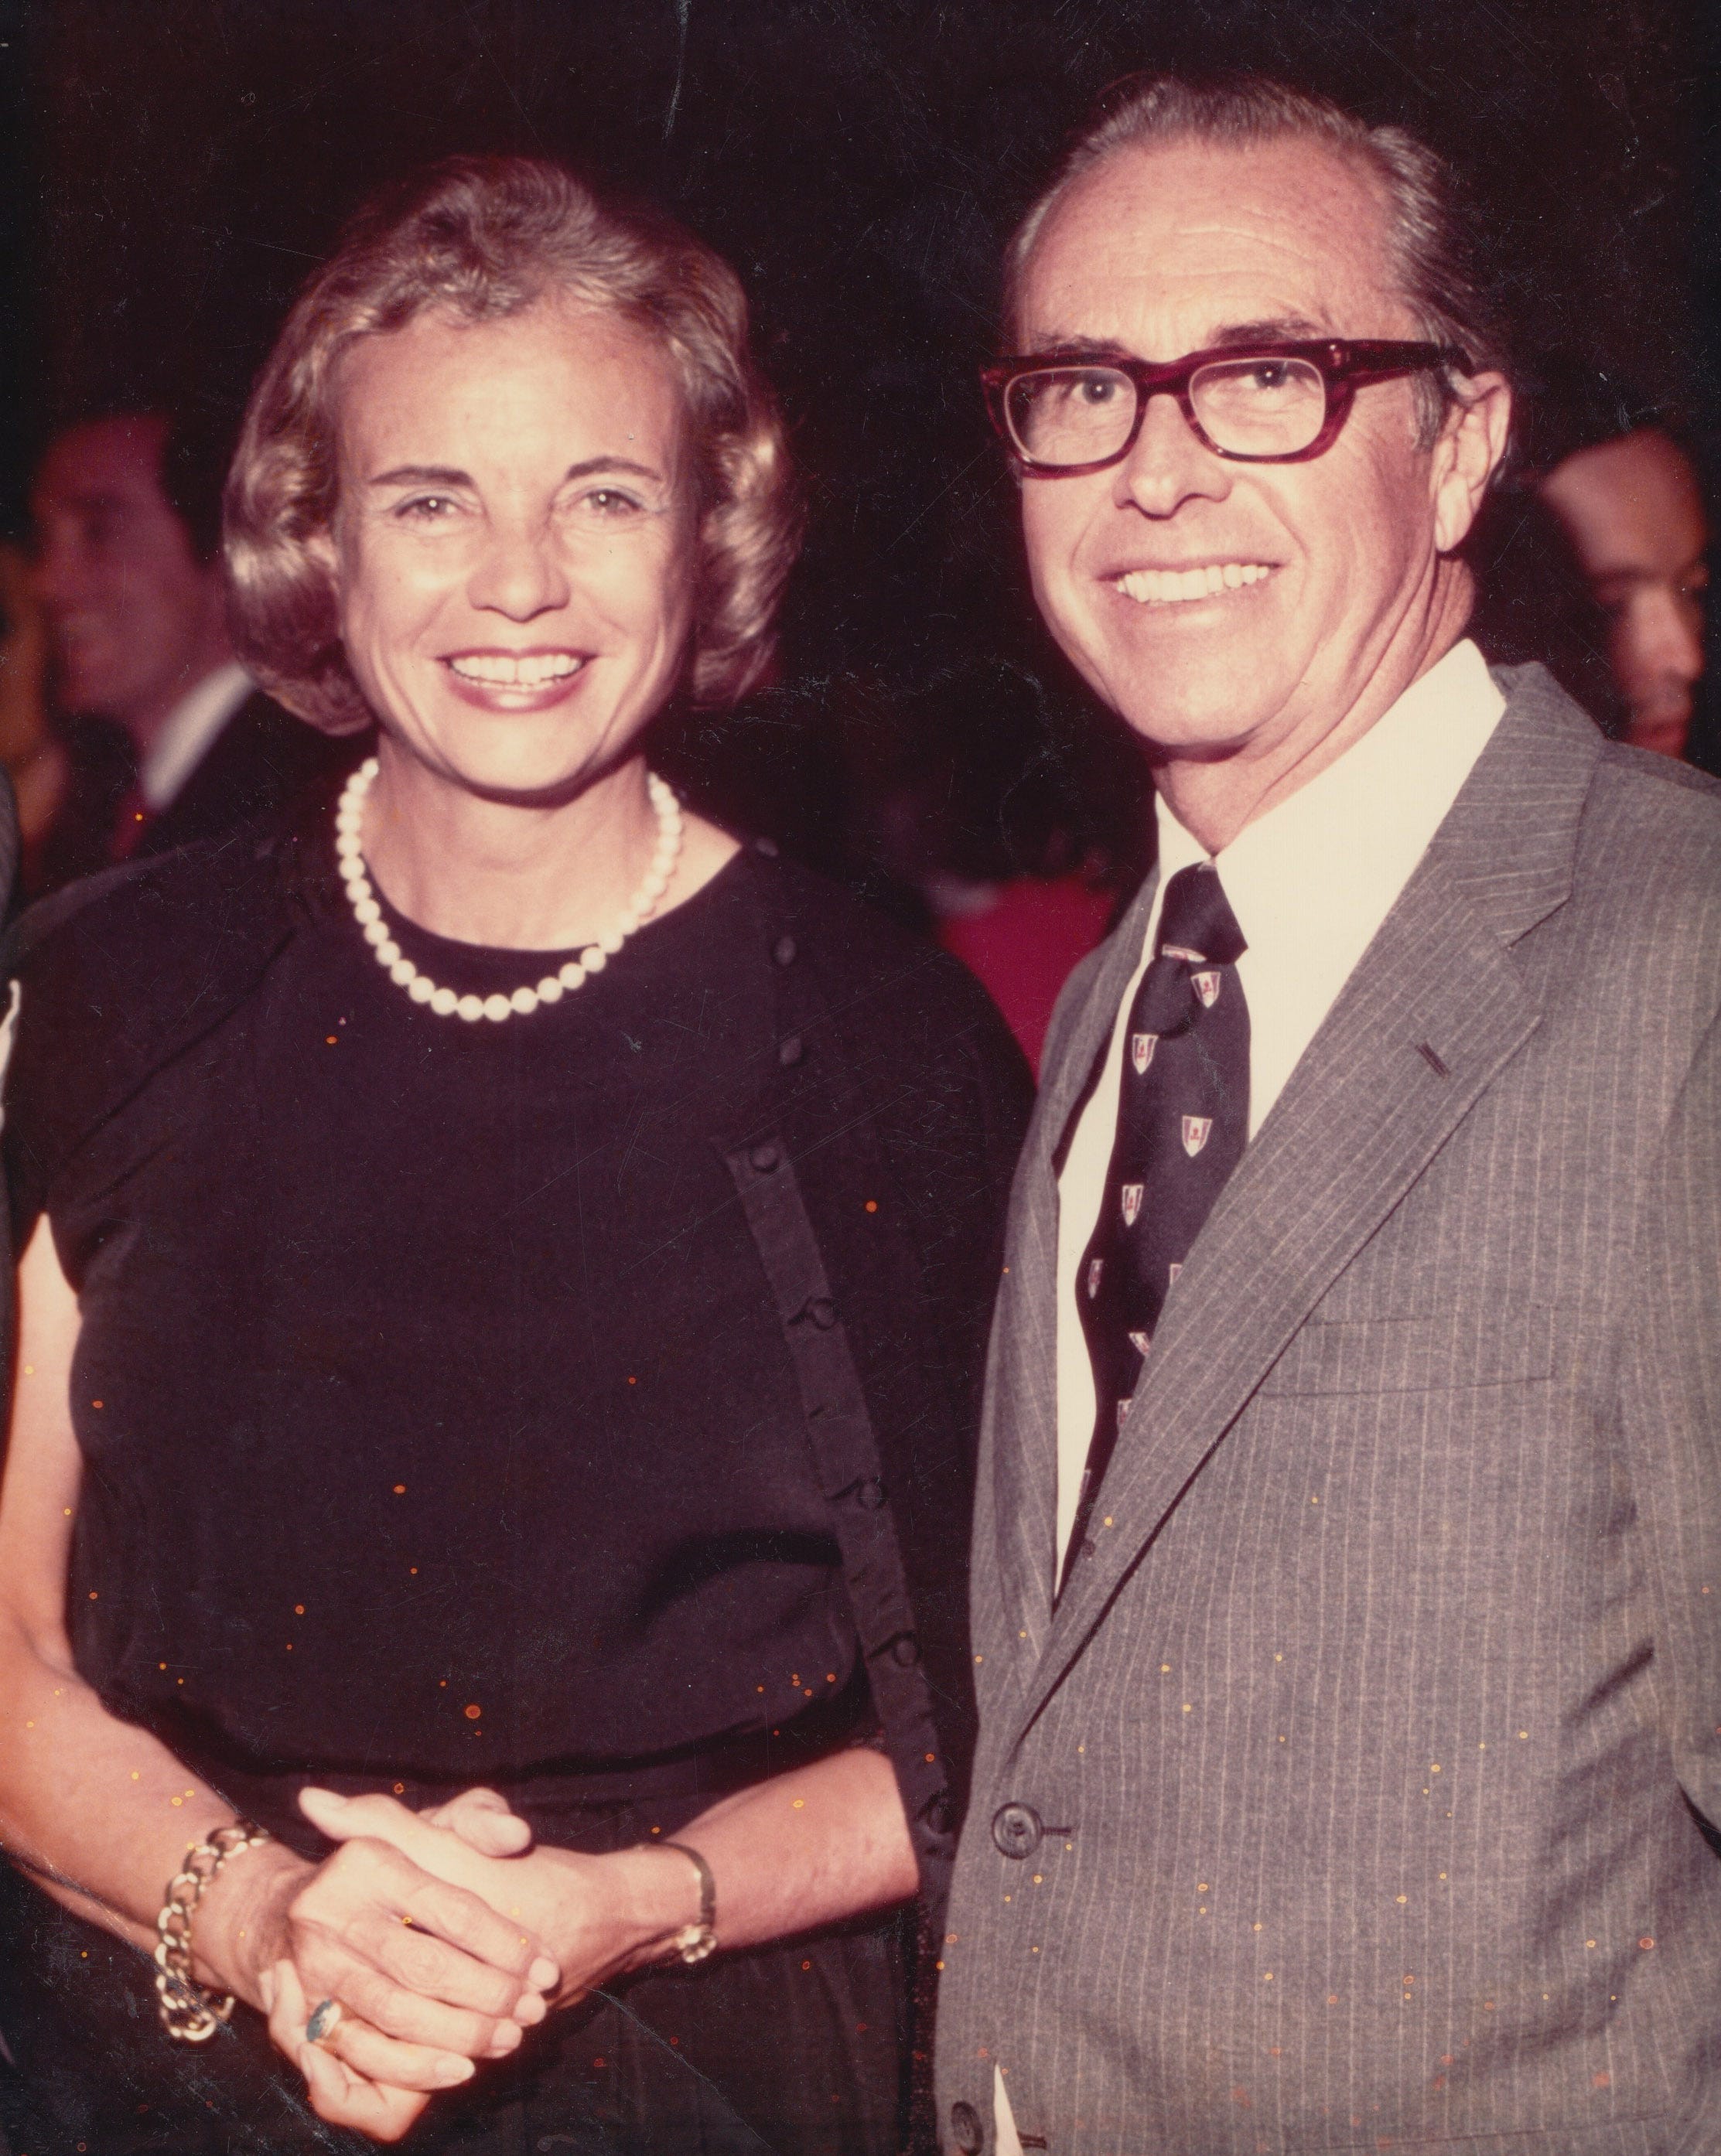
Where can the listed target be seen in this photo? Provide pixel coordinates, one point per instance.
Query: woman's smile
(497, 680)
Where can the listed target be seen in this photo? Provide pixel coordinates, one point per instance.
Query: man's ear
(1470, 445)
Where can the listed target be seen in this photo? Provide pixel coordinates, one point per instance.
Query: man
(128, 513)
(1633, 512)
(1349, 1523)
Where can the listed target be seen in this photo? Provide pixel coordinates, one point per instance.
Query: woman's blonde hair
(483, 237)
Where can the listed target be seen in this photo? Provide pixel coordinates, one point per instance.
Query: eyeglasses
(1262, 404)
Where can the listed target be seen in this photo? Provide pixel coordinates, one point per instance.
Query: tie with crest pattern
(1183, 1120)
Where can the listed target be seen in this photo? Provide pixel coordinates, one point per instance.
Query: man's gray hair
(1427, 235)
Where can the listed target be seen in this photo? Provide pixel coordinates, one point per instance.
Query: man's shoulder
(1657, 785)
(118, 973)
(1635, 839)
(144, 952)
(1649, 857)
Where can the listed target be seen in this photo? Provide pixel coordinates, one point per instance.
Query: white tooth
(1191, 584)
(1233, 575)
(1215, 580)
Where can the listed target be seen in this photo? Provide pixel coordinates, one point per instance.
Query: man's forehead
(103, 461)
(1194, 241)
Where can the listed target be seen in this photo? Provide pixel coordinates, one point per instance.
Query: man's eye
(1098, 389)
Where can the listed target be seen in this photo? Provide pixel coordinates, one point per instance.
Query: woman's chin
(526, 782)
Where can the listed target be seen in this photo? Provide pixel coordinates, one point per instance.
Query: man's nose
(1169, 464)
(520, 573)
(1666, 625)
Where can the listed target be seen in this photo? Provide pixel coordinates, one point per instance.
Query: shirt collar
(1340, 849)
(189, 732)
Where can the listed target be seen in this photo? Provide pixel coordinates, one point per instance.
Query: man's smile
(1172, 586)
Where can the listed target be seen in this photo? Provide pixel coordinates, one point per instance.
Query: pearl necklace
(368, 912)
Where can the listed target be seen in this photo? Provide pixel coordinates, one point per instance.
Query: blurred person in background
(1633, 511)
(169, 738)
(1593, 556)
(34, 758)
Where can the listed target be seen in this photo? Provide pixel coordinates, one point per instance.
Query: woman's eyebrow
(611, 463)
(449, 476)
(421, 476)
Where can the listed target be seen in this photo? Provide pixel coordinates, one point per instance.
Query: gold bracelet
(694, 1942)
(189, 2014)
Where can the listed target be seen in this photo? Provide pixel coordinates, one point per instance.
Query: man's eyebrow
(448, 475)
(1278, 329)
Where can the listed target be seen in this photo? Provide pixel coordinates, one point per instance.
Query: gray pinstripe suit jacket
(1363, 1759)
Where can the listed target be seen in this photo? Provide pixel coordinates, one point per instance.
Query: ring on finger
(324, 2020)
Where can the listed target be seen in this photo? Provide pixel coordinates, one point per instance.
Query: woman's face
(513, 554)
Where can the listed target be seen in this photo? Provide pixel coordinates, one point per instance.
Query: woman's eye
(426, 509)
(611, 502)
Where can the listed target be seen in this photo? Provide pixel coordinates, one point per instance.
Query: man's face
(129, 605)
(1165, 251)
(1634, 516)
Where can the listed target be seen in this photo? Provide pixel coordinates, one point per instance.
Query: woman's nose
(520, 573)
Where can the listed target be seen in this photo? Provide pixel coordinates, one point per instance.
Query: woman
(503, 1273)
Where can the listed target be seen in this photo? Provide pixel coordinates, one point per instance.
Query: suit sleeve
(1670, 1398)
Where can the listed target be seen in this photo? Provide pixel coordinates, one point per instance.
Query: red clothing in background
(1022, 946)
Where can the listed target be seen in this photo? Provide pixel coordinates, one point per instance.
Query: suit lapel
(1019, 1469)
(1435, 1009)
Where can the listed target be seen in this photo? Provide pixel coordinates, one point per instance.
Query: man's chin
(1195, 731)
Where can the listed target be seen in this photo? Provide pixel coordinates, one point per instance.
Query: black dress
(442, 1423)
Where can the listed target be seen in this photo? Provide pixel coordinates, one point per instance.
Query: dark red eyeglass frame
(1346, 365)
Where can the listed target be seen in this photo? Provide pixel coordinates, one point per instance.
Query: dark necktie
(1183, 1120)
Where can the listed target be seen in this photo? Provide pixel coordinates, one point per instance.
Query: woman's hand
(428, 1976)
(483, 1821)
(336, 2092)
(597, 1915)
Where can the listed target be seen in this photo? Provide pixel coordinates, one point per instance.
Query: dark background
(175, 166)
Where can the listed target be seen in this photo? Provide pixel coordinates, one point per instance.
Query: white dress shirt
(188, 733)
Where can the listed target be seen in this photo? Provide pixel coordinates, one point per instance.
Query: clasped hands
(442, 1936)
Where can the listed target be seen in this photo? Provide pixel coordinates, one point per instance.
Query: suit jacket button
(765, 1158)
(870, 1495)
(782, 950)
(905, 1648)
(1016, 1829)
(966, 2129)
